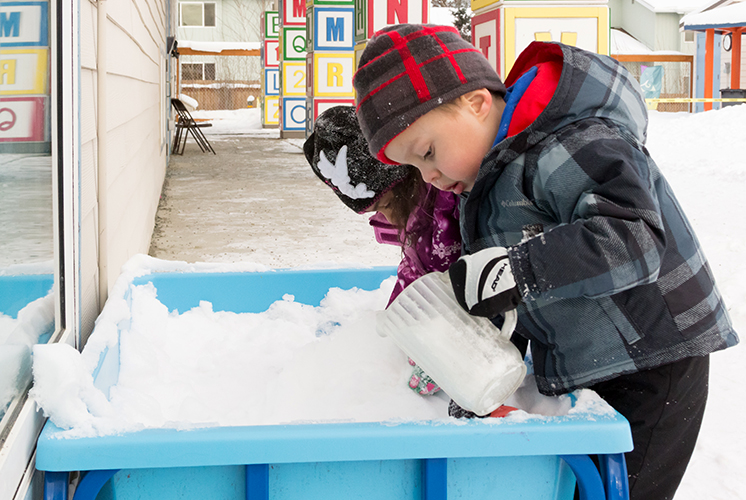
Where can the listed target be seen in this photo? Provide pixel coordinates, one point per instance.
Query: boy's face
(447, 144)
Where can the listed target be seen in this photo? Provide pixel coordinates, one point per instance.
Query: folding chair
(185, 124)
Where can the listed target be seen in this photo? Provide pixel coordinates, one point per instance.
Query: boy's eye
(429, 153)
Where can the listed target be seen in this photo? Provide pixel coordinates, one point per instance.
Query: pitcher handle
(509, 324)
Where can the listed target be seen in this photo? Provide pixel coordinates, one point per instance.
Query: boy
(565, 216)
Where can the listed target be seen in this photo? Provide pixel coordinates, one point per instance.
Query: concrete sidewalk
(258, 200)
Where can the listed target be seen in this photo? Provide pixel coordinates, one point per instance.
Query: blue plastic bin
(535, 459)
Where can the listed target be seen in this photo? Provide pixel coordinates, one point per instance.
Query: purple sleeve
(438, 244)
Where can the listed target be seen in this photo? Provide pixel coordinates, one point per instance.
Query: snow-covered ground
(702, 155)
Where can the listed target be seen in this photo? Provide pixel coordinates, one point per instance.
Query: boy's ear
(479, 102)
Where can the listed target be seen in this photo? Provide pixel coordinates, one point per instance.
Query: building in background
(223, 70)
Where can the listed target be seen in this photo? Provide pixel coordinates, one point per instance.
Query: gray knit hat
(339, 156)
(409, 69)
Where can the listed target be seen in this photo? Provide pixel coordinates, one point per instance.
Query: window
(198, 71)
(28, 297)
(688, 36)
(197, 14)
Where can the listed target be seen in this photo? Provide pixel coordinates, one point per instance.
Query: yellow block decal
(332, 74)
(583, 27)
(23, 71)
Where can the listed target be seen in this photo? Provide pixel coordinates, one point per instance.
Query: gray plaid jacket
(613, 277)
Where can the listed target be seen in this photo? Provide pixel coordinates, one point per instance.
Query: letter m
(399, 8)
(299, 8)
(10, 25)
(335, 27)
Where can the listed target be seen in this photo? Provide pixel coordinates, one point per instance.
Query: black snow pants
(664, 407)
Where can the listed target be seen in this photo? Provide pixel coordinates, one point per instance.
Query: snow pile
(237, 121)
(702, 157)
(290, 364)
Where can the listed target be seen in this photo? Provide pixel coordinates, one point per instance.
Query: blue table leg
(589, 481)
(434, 479)
(257, 482)
(614, 473)
(92, 483)
(55, 485)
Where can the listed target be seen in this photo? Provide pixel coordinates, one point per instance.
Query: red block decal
(484, 45)
(398, 9)
(299, 8)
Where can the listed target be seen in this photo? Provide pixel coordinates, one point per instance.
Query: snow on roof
(728, 16)
(675, 6)
(623, 43)
(218, 47)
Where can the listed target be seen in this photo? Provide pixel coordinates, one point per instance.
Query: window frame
(202, 4)
(24, 420)
(202, 64)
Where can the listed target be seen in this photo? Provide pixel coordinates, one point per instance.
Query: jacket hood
(589, 85)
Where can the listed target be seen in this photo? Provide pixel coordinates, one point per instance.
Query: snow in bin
(202, 367)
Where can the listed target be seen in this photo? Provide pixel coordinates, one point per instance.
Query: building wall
(636, 19)
(235, 21)
(137, 136)
(667, 34)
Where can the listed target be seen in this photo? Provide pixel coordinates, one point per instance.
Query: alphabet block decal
(361, 20)
(293, 12)
(359, 48)
(584, 27)
(333, 74)
(486, 36)
(294, 43)
(382, 13)
(293, 78)
(271, 25)
(271, 56)
(271, 113)
(333, 29)
(314, 107)
(294, 113)
(272, 81)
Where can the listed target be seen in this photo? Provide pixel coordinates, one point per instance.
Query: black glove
(484, 283)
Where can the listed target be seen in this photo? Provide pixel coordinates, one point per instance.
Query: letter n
(400, 8)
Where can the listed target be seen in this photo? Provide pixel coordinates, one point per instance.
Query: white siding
(137, 149)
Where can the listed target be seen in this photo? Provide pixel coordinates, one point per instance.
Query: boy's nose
(429, 174)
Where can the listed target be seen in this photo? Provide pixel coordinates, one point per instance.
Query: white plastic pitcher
(471, 359)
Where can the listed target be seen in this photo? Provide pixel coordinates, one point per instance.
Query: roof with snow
(625, 44)
(675, 6)
(218, 47)
(730, 16)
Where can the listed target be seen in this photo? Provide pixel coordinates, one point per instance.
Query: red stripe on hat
(400, 42)
(449, 55)
(425, 63)
(410, 66)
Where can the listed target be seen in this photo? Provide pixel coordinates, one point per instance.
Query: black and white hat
(339, 156)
